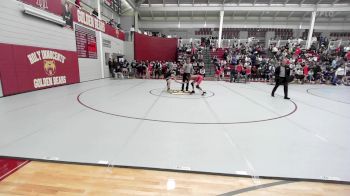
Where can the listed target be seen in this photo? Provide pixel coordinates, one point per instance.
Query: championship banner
(114, 5)
(59, 7)
(70, 13)
(26, 68)
(53, 6)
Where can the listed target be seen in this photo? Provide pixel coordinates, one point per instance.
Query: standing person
(157, 70)
(170, 74)
(188, 69)
(118, 69)
(111, 67)
(94, 12)
(67, 14)
(282, 76)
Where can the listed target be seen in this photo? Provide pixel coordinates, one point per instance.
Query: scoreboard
(114, 5)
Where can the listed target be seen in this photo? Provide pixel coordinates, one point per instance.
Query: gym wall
(37, 54)
(111, 48)
(22, 35)
(155, 48)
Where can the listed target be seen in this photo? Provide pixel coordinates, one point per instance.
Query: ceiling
(172, 12)
(202, 10)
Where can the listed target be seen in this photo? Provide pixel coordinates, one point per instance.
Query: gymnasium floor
(234, 129)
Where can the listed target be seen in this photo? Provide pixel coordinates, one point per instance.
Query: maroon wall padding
(154, 48)
(18, 75)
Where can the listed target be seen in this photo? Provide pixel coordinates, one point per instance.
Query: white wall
(129, 51)
(90, 69)
(21, 29)
(243, 35)
(126, 22)
(117, 47)
(268, 36)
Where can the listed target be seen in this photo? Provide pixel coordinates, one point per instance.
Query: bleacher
(204, 31)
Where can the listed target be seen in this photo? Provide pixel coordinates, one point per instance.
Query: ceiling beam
(149, 4)
(285, 3)
(131, 3)
(262, 14)
(336, 1)
(303, 17)
(152, 15)
(281, 8)
(190, 25)
(138, 3)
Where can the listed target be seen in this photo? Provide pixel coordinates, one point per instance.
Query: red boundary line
(181, 122)
(3, 177)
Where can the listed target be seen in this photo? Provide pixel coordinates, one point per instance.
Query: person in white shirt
(339, 74)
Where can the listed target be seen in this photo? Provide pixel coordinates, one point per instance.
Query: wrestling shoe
(204, 93)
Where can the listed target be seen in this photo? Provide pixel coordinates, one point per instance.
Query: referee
(282, 74)
(188, 69)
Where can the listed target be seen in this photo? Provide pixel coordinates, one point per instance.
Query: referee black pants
(281, 81)
(185, 79)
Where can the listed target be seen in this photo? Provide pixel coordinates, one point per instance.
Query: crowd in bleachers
(121, 68)
(254, 63)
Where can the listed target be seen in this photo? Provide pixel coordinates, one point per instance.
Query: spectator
(111, 67)
(94, 12)
(77, 2)
(118, 69)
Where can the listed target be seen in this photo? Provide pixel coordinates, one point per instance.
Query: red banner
(53, 6)
(70, 13)
(26, 68)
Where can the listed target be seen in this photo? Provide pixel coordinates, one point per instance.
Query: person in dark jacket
(282, 74)
(111, 67)
(95, 13)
